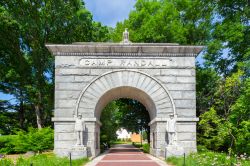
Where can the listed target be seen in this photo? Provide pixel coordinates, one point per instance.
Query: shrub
(202, 148)
(146, 147)
(34, 140)
(6, 144)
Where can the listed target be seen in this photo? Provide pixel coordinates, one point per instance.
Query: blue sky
(109, 12)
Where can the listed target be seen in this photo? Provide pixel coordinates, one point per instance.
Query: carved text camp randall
(143, 63)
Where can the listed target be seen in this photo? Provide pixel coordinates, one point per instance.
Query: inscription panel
(125, 62)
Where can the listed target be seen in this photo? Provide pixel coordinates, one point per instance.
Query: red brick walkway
(126, 155)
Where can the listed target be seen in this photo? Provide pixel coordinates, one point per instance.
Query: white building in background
(123, 134)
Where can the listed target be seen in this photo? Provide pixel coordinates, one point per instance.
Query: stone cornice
(135, 49)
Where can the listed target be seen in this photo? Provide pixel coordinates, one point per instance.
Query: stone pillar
(186, 136)
(65, 137)
(158, 139)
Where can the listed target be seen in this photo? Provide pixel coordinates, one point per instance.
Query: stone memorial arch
(90, 75)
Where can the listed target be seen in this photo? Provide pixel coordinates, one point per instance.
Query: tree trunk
(38, 116)
(21, 114)
(148, 134)
(38, 110)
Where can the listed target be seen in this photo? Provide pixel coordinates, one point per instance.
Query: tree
(133, 116)
(178, 21)
(124, 113)
(26, 27)
(230, 41)
(109, 122)
(207, 82)
(8, 118)
(14, 73)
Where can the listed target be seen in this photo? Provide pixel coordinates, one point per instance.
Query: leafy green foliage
(43, 159)
(8, 118)
(209, 158)
(27, 67)
(207, 82)
(123, 113)
(133, 116)
(166, 21)
(146, 148)
(109, 123)
(33, 140)
(209, 126)
(226, 125)
(230, 32)
(7, 144)
(6, 162)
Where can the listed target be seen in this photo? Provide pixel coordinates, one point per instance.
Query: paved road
(126, 155)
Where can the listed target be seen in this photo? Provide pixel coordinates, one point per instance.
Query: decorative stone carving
(79, 129)
(171, 130)
(125, 39)
(173, 150)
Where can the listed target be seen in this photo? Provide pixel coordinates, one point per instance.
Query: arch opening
(125, 92)
(124, 120)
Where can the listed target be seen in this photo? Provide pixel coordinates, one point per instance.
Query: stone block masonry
(90, 75)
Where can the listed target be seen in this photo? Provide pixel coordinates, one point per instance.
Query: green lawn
(43, 160)
(209, 159)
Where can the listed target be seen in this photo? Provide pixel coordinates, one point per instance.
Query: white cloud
(109, 12)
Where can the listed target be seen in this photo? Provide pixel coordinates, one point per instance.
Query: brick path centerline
(127, 155)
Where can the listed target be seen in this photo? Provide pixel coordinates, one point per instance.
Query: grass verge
(42, 160)
(210, 159)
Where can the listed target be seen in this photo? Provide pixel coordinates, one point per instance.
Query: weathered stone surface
(185, 103)
(185, 136)
(63, 78)
(90, 75)
(68, 86)
(174, 151)
(65, 136)
(62, 103)
(181, 94)
(79, 152)
(68, 72)
(180, 86)
(62, 94)
(64, 127)
(177, 72)
(186, 112)
(186, 127)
